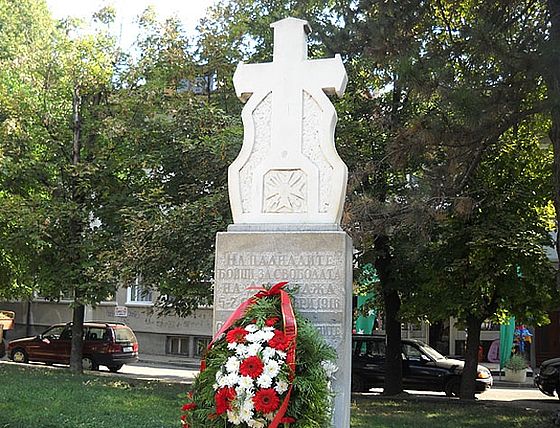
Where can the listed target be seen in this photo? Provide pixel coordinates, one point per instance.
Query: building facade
(157, 335)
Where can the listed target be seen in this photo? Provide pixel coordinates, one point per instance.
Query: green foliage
(516, 363)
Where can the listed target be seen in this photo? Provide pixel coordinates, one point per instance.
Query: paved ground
(525, 397)
(136, 371)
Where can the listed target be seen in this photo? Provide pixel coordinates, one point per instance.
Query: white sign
(288, 170)
(121, 311)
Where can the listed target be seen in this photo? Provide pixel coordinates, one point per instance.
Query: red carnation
(271, 321)
(188, 406)
(184, 421)
(236, 335)
(223, 399)
(251, 366)
(279, 341)
(266, 400)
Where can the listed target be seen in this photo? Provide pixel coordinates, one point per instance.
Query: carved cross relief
(288, 170)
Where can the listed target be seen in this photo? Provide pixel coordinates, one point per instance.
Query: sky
(188, 12)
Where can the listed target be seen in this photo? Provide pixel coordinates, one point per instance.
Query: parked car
(7, 320)
(423, 367)
(107, 344)
(548, 379)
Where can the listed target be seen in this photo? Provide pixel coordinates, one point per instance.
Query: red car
(105, 344)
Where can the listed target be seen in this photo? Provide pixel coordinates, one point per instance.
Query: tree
(551, 73)
(177, 143)
(63, 187)
(488, 262)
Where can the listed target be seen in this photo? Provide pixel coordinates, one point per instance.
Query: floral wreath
(249, 377)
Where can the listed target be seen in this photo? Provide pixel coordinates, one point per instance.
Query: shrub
(516, 363)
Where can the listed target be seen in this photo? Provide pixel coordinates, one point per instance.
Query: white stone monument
(288, 170)
(287, 189)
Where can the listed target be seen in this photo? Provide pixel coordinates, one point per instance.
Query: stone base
(317, 263)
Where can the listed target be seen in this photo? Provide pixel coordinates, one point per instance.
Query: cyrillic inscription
(318, 277)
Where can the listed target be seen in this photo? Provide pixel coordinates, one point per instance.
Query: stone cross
(288, 170)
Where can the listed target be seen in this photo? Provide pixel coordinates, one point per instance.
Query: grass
(53, 398)
(40, 397)
(368, 412)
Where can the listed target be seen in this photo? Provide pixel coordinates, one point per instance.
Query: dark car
(2, 348)
(548, 379)
(105, 344)
(423, 368)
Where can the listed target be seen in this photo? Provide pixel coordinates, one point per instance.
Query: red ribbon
(290, 331)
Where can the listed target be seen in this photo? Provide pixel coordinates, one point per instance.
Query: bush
(516, 363)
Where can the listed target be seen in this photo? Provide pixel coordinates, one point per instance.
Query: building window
(201, 345)
(177, 345)
(138, 294)
(64, 297)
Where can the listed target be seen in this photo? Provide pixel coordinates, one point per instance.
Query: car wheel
(358, 385)
(114, 369)
(453, 387)
(19, 356)
(89, 364)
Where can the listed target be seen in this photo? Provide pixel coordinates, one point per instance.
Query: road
(526, 397)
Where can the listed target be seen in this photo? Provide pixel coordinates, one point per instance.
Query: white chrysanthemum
(251, 328)
(268, 353)
(253, 349)
(251, 338)
(271, 368)
(215, 387)
(267, 335)
(264, 381)
(258, 336)
(245, 382)
(281, 354)
(268, 328)
(231, 346)
(281, 387)
(241, 350)
(245, 414)
(231, 379)
(233, 417)
(221, 380)
(257, 423)
(232, 364)
(248, 402)
(269, 416)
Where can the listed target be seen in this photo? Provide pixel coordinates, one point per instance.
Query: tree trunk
(392, 305)
(468, 381)
(28, 319)
(393, 353)
(553, 81)
(75, 230)
(77, 338)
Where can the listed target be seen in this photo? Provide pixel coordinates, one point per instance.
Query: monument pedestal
(317, 259)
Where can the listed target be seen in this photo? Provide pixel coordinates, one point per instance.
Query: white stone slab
(319, 263)
(288, 170)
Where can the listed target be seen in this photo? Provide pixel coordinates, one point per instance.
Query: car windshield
(431, 352)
